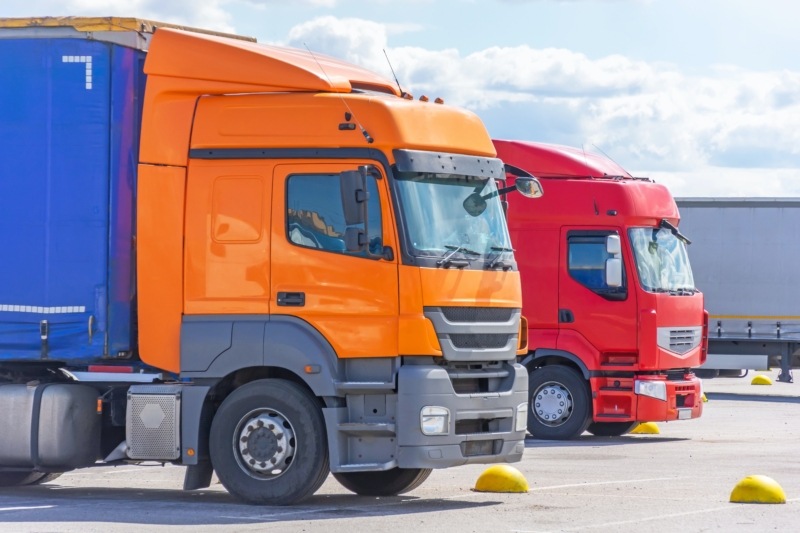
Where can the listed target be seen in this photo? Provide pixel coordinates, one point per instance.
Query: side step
(369, 467)
(369, 430)
(364, 387)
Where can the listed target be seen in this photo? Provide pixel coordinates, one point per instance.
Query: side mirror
(529, 187)
(355, 239)
(613, 245)
(353, 186)
(474, 204)
(614, 272)
(614, 264)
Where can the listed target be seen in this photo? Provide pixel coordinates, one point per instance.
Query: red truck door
(596, 322)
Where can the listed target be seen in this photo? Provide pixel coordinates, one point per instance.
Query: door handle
(291, 299)
(565, 316)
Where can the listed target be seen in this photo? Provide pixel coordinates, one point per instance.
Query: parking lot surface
(679, 480)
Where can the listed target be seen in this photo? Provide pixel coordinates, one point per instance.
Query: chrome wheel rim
(552, 404)
(264, 444)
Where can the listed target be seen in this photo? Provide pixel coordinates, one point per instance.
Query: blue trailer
(70, 104)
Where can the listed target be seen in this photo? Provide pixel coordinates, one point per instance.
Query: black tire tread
(230, 473)
(611, 429)
(387, 483)
(582, 402)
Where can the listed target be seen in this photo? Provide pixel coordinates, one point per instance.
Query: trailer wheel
(611, 429)
(18, 479)
(268, 443)
(388, 483)
(559, 407)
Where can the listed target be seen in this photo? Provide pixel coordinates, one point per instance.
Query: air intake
(680, 340)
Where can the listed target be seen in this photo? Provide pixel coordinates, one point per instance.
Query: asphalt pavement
(677, 481)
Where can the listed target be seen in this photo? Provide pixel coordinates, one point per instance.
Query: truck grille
(477, 314)
(679, 340)
(478, 341)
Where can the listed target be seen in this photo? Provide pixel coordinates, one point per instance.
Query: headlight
(654, 389)
(522, 417)
(434, 420)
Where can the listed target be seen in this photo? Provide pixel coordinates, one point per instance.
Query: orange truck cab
(324, 279)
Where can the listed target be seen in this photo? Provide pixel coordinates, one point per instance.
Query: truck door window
(315, 217)
(586, 263)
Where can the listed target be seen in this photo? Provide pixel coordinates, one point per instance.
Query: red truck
(615, 323)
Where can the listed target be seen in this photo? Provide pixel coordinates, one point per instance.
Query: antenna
(369, 139)
(402, 92)
(608, 156)
(586, 162)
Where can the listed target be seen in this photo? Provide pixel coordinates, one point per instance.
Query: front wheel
(611, 429)
(268, 443)
(560, 406)
(387, 483)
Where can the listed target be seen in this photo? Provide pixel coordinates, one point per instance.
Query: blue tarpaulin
(69, 127)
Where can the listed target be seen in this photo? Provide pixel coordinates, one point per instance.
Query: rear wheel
(388, 483)
(268, 443)
(611, 429)
(559, 407)
(17, 479)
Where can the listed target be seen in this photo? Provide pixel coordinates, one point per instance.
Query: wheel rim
(264, 444)
(552, 404)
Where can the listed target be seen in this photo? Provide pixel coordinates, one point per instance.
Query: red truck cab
(615, 324)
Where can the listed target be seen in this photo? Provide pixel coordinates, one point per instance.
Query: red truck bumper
(617, 400)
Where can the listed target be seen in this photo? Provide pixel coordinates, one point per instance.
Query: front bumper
(422, 386)
(684, 402)
(615, 400)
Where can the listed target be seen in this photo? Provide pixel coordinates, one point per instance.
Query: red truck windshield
(661, 260)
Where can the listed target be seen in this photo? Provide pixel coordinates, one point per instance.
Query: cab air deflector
(444, 163)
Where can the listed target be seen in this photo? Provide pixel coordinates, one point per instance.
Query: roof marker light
(438, 101)
(423, 98)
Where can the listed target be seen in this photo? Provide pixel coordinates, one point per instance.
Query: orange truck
(251, 260)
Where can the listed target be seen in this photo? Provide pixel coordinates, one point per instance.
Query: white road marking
(607, 483)
(646, 519)
(574, 485)
(26, 508)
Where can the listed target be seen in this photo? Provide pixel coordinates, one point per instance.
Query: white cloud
(729, 131)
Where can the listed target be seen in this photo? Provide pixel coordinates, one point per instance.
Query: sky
(700, 95)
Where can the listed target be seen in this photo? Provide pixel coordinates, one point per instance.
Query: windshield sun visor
(444, 163)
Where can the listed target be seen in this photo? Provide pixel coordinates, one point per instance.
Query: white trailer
(745, 256)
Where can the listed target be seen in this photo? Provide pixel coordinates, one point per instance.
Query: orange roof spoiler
(182, 54)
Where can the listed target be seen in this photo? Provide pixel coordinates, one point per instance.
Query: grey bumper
(422, 386)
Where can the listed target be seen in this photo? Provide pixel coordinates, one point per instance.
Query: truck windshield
(661, 260)
(438, 223)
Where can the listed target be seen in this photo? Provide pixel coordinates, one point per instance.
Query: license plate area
(684, 414)
(475, 448)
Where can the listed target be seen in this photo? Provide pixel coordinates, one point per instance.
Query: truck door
(590, 310)
(351, 298)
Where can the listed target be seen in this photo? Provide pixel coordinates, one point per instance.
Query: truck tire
(18, 479)
(560, 404)
(268, 443)
(611, 429)
(388, 483)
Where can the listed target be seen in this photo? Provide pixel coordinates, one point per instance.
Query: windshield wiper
(446, 261)
(496, 261)
(666, 224)
(683, 291)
